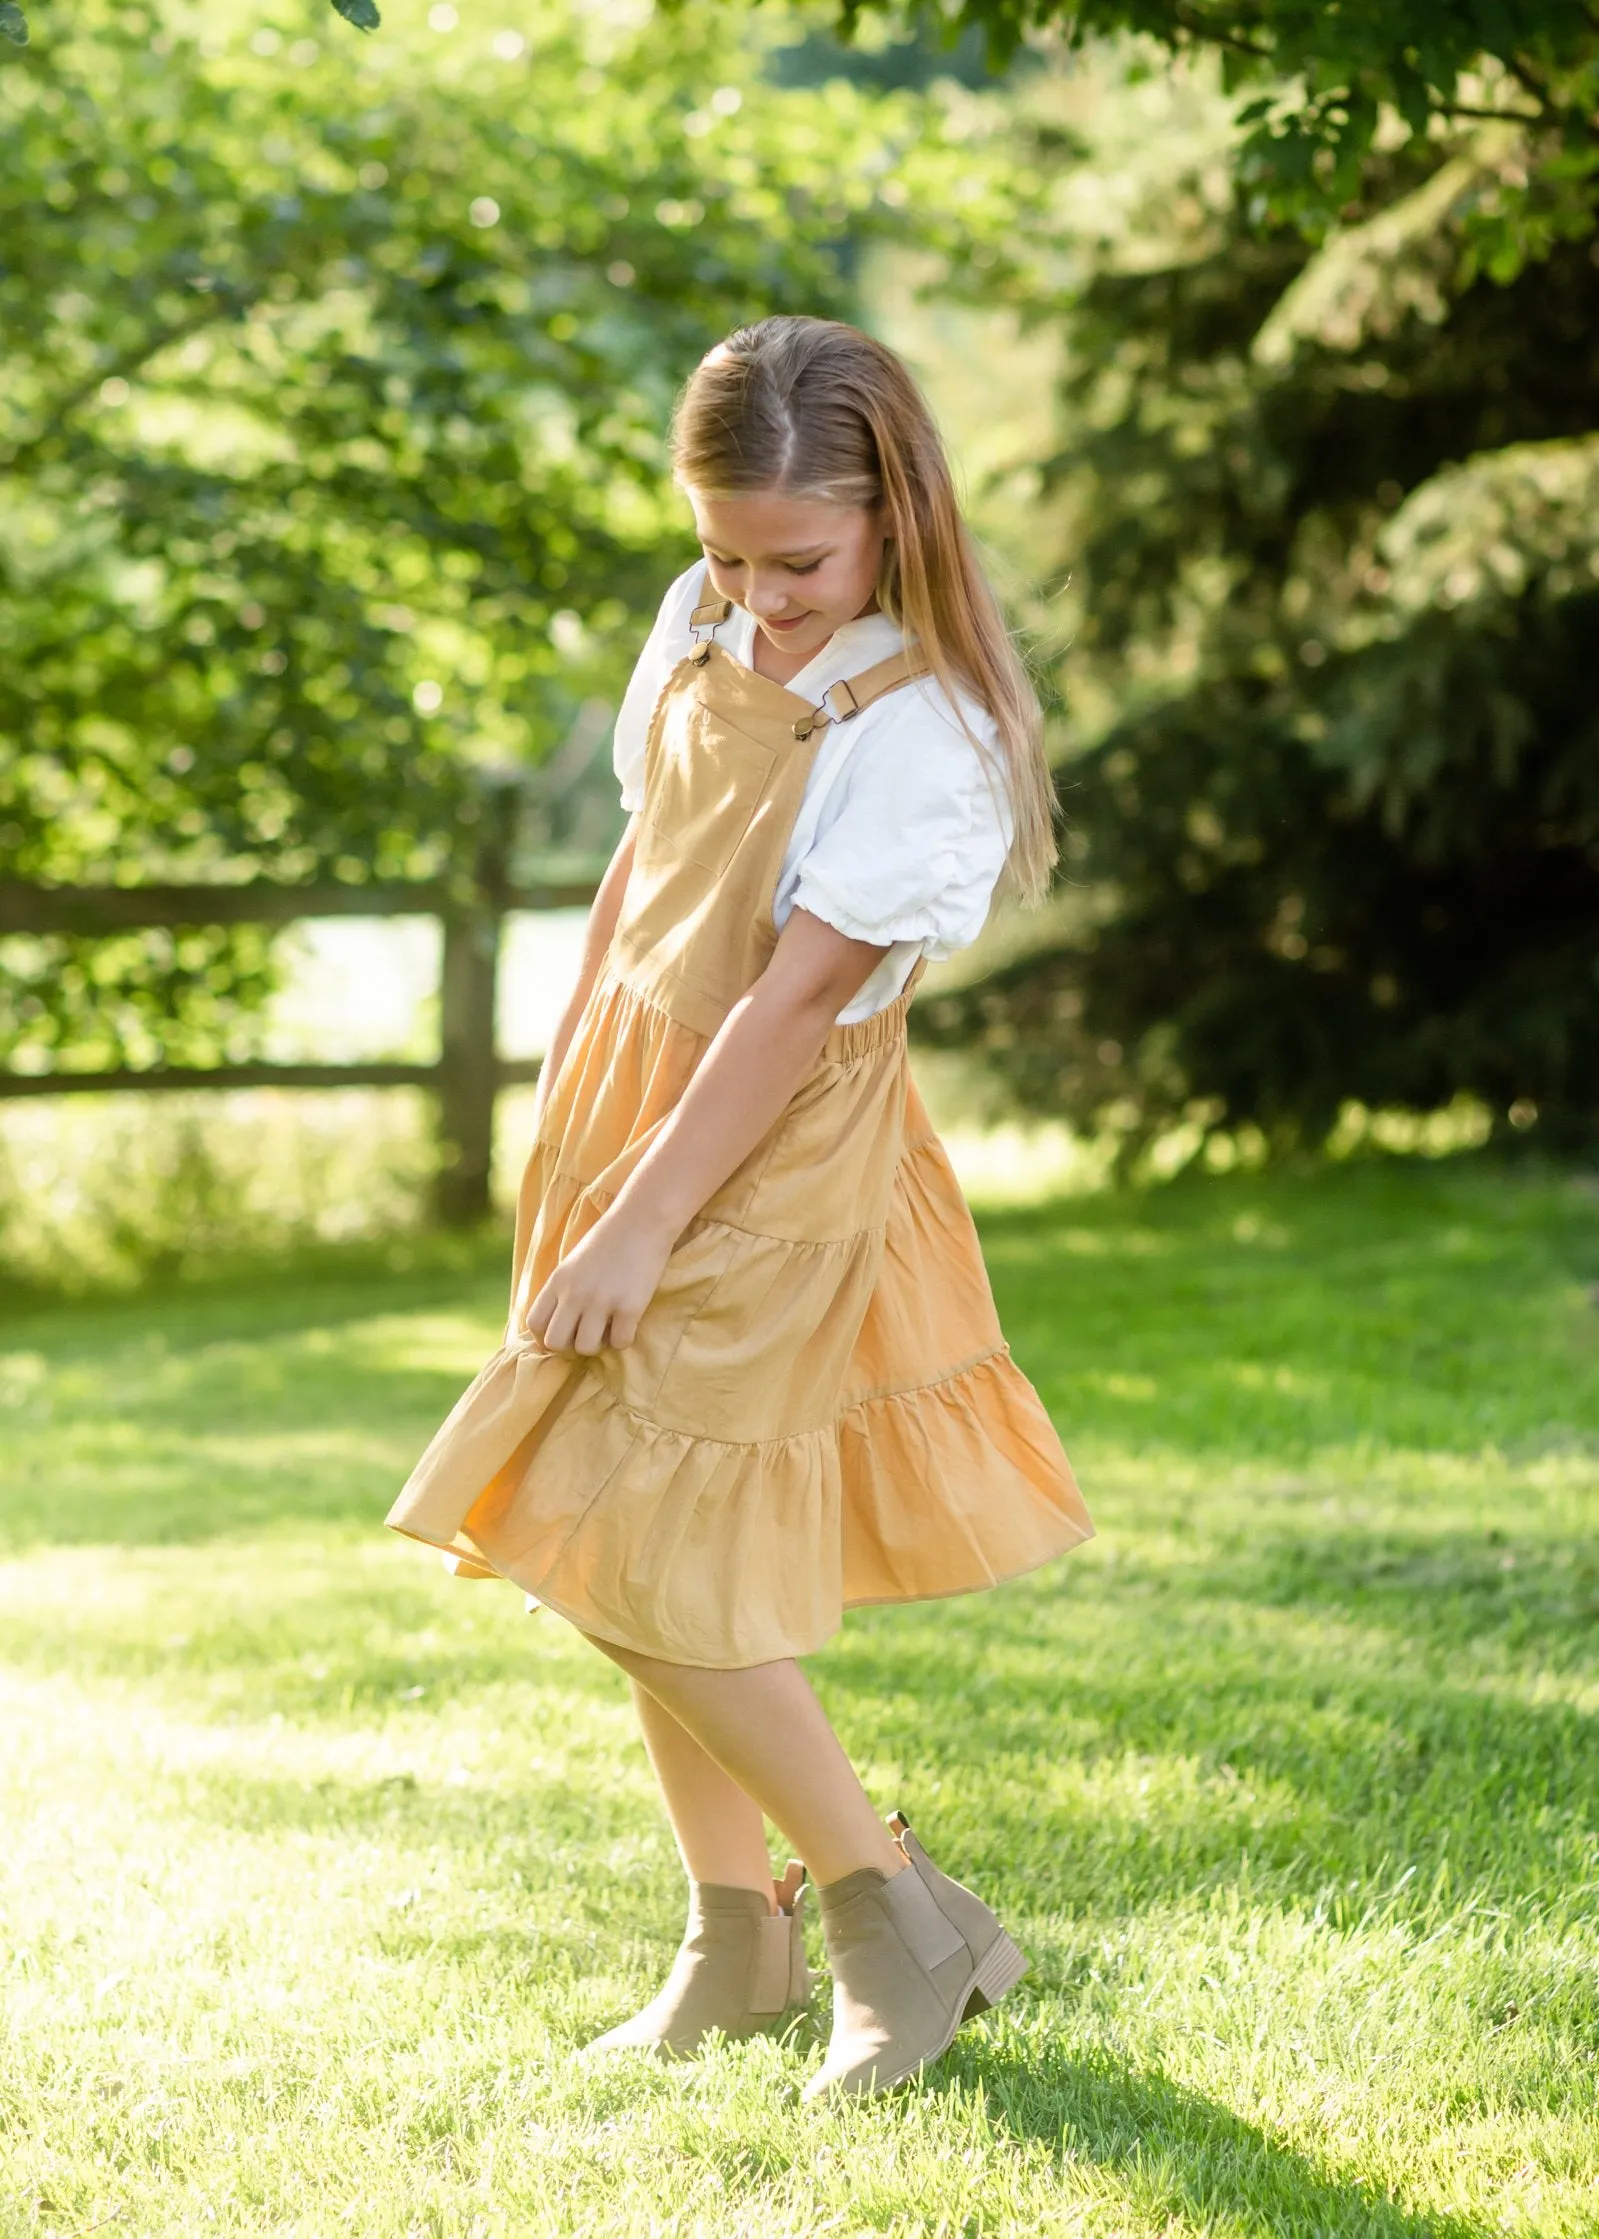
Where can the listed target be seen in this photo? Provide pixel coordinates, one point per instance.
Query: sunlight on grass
(1017, 1164)
(319, 1864)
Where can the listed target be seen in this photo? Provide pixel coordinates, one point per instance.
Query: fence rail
(123, 909)
(469, 1072)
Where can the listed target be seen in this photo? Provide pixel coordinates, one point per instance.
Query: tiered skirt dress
(819, 1408)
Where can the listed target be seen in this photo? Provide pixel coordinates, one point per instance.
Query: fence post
(469, 1064)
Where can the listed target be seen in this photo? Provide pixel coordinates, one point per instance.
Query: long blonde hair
(814, 408)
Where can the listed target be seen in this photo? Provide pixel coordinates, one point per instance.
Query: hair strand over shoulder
(815, 408)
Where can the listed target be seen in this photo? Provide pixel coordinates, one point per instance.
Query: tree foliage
(1322, 89)
(331, 437)
(1331, 516)
(1325, 493)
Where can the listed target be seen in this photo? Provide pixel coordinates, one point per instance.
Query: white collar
(853, 647)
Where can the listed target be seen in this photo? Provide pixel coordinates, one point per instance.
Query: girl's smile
(803, 567)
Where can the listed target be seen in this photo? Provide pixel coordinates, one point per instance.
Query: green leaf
(13, 23)
(362, 13)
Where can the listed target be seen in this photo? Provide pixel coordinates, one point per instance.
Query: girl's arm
(766, 1047)
(603, 914)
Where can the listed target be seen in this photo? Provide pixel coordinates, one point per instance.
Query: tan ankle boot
(739, 1969)
(913, 1955)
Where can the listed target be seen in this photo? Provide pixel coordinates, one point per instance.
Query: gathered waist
(855, 1038)
(860, 1035)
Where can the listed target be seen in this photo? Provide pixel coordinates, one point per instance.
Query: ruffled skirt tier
(819, 1409)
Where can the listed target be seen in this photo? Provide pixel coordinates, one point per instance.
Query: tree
(1325, 497)
(331, 442)
(1325, 83)
(1326, 88)
(1331, 516)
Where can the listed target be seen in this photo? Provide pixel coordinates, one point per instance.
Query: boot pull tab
(899, 1827)
(795, 1877)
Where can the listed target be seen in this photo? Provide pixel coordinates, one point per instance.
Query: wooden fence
(468, 1073)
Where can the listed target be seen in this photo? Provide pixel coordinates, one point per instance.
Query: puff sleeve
(916, 835)
(670, 638)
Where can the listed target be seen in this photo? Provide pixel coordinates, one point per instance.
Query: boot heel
(1000, 1969)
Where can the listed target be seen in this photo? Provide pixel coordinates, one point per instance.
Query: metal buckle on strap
(828, 712)
(703, 625)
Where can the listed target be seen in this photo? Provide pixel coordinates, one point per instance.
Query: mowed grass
(318, 1866)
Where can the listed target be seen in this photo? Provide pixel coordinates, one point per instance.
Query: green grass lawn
(317, 1865)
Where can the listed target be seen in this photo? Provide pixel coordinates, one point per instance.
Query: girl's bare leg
(720, 1831)
(769, 1735)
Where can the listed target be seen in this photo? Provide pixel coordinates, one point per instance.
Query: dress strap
(843, 700)
(706, 619)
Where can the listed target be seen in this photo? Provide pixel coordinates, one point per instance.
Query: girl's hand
(601, 1288)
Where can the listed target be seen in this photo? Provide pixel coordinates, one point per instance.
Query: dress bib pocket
(703, 783)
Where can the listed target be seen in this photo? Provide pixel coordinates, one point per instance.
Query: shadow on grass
(193, 1415)
(1180, 1748)
(1452, 1587)
(1180, 2154)
(1270, 1320)
(1381, 1806)
(1072, 1751)
(249, 1287)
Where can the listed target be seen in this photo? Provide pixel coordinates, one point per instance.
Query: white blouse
(904, 827)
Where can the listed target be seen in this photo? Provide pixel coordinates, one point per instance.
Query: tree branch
(1525, 75)
(1198, 28)
(1487, 116)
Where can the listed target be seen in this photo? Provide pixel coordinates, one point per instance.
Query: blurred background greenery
(333, 482)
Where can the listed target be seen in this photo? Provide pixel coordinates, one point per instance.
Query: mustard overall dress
(819, 1408)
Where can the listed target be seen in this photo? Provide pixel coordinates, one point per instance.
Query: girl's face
(802, 566)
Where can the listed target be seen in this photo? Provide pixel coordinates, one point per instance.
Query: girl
(753, 1374)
